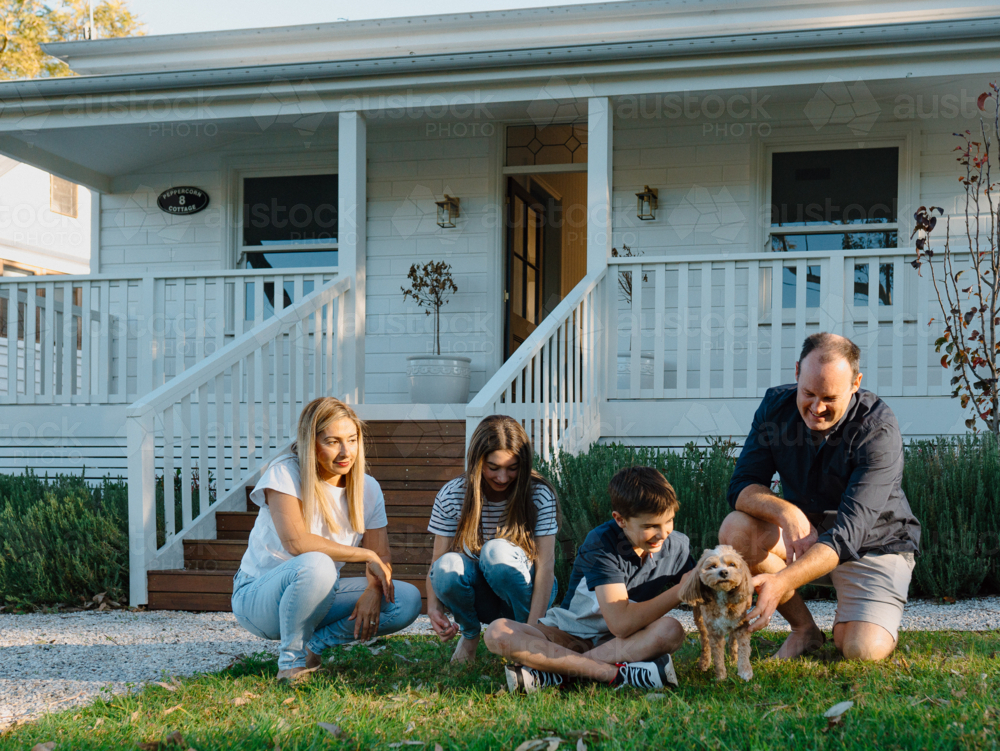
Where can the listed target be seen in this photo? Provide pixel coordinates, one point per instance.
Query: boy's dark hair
(641, 490)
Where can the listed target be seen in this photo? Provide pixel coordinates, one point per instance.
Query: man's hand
(770, 592)
(799, 534)
(366, 614)
(442, 626)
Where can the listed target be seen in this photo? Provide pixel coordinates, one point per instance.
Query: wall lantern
(646, 203)
(447, 211)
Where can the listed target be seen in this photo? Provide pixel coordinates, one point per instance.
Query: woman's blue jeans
(304, 603)
(498, 585)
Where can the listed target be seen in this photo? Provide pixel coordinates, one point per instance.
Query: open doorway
(546, 248)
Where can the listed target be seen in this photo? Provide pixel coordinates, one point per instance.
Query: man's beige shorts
(872, 590)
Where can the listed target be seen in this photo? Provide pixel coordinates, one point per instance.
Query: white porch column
(599, 152)
(352, 186)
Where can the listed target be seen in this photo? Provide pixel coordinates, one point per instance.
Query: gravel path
(52, 662)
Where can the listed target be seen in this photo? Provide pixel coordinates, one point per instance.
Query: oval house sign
(184, 200)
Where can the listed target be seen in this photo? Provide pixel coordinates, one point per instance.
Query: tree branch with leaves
(970, 308)
(431, 286)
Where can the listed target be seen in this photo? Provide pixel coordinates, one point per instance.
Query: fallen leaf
(537, 744)
(775, 709)
(48, 746)
(239, 701)
(655, 697)
(437, 746)
(168, 686)
(411, 727)
(376, 650)
(838, 709)
(172, 709)
(960, 694)
(404, 659)
(407, 743)
(281, 725)
(332, 729)
(100, 721)
(175, 738)
(289, 700)
(135, 716)
(581, 746)
(251, 695)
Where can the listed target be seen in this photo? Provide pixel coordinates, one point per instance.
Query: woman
(316, 506)
(494, 538)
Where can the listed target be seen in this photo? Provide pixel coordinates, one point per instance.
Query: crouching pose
(494, 538)
(612, 626)
(317, 506)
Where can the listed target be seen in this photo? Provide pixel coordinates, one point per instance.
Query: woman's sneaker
(646, 675)
(522, 679)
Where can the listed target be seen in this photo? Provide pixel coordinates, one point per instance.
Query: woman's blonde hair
(315, 418)
(500, 433)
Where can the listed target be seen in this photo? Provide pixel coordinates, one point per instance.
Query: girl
(494, 544)
(317, 506)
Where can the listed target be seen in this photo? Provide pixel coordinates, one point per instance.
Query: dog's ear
(691, 592)
(745, 590)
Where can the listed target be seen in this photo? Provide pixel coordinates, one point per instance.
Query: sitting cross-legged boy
(610, 627)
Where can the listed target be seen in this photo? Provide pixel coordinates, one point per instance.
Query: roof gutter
(882, 35)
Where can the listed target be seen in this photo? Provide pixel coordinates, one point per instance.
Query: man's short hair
(641, 490)
(829, 347)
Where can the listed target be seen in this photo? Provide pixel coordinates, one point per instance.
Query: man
(839, 454)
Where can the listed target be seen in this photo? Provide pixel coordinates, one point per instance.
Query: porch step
(410, 459)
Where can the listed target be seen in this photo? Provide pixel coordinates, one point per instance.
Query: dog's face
(720, 569)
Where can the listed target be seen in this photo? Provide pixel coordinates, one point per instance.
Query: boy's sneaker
(646, 675)
(522, 679)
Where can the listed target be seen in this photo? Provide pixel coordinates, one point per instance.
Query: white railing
(554, 382)
(732, 325)
(105, 340)
(256, 388)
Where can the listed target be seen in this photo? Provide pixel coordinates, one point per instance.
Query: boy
(611, 626)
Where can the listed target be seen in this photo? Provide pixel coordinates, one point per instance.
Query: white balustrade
(730, 326)
(210, 428)
(554, 381)
(104, 340)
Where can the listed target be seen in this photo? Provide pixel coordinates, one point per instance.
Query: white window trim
(907, 191)
(238, 167)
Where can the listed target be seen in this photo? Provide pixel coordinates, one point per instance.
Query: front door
(525, 254)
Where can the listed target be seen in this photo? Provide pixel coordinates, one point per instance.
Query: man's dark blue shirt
(856, 471)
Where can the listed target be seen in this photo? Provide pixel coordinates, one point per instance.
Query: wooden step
(212, 590)
(453, 430)
(378, 449)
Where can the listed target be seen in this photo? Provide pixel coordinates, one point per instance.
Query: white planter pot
(438, 379)
(625, 371)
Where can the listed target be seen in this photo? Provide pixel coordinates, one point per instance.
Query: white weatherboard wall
(410, 167)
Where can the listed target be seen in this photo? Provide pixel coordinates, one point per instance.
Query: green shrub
(61, 539)
(953, 486)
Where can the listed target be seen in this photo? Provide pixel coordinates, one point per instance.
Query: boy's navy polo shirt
(607, 557)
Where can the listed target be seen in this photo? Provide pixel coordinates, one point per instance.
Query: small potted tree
(436, 378)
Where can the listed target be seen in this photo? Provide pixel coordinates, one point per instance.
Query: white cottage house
(752, 132)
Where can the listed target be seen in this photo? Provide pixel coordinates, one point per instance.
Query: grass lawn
(940, 691)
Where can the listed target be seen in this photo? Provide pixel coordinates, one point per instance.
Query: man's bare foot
(466, 650)
(800, 643)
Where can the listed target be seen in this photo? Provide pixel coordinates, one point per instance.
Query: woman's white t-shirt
(264, 549)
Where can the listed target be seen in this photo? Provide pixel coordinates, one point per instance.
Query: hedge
(953, 486)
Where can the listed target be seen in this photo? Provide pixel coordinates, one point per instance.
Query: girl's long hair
(500, 433)
(315, 418)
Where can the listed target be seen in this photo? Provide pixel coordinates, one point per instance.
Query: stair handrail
(487, 401)
(141, 416)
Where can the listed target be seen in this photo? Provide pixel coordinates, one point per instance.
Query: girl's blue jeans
(304, 603)
(497, 585)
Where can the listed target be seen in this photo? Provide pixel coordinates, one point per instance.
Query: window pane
(812, 286)
(840, 186)
(885, 284)
(518, 228)
(531, 294)
(517, 288)
(62, 196)
(532, 235)
(861, 285)
(833, 241)
(788, 287)
(294, 209)
(559, 143)
(292, 260)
